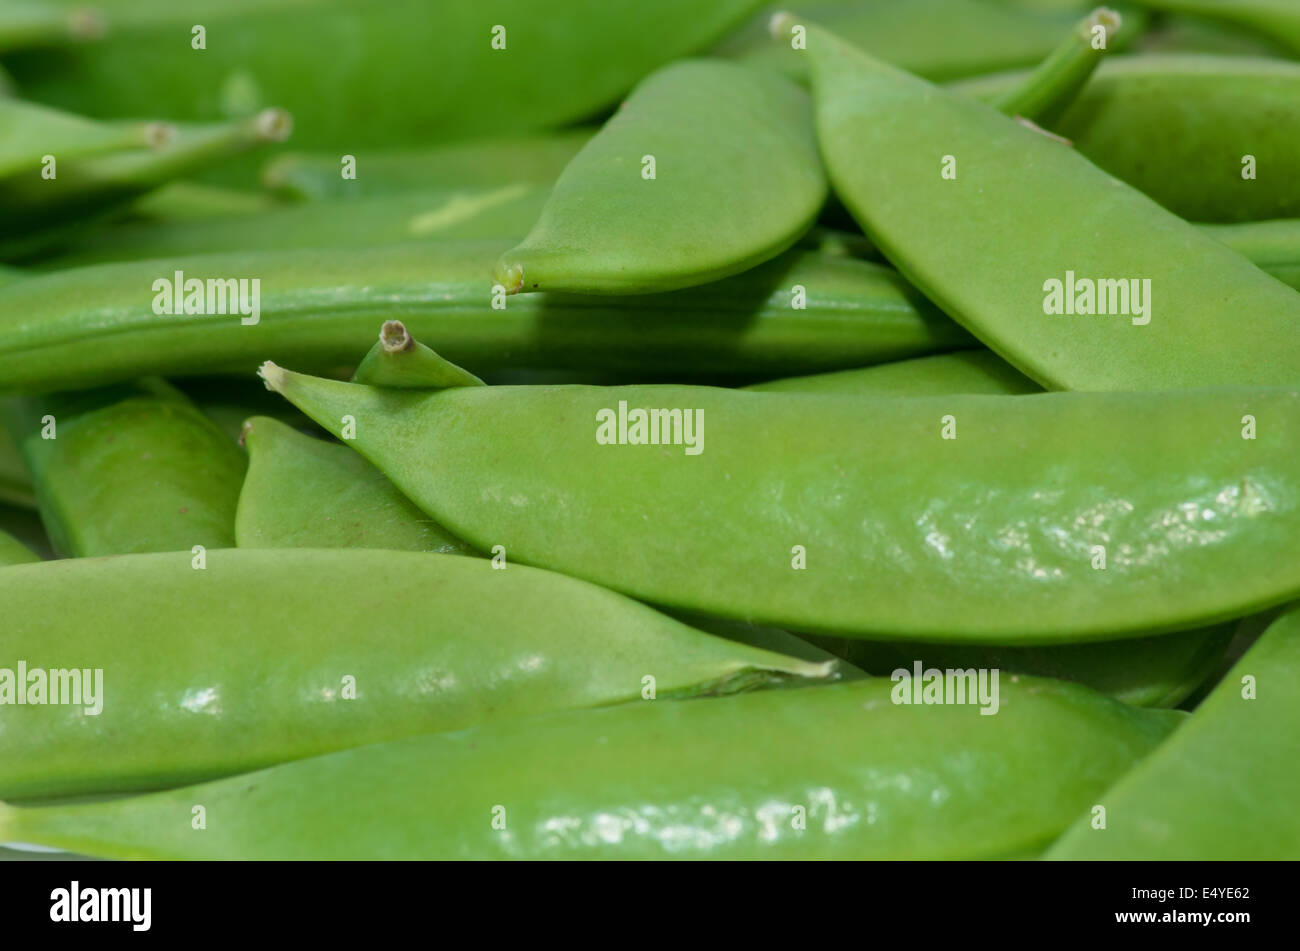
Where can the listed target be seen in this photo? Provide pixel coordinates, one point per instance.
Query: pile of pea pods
(448, 430)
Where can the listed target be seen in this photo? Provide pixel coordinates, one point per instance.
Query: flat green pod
(1096, 286)
(1047, 518)
(963, 371)
(302, 492)
(132, 468)
(707, 169)
(702, 779)
(29, 132)
(1223, 786)
(288, 654)
(14, 552)
(319, 310)
(1274, 246)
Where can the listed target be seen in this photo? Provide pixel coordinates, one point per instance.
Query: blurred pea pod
(1274, 246)
(361, 74)
(721, 778)
(455, 642)
(1276, 19)
(15, 480)
(192, 201)
(319, 309)
(40, 212)
(128, 469)
(1223, 786)
(1212, 138)
(706, 170)
(33, 139)
(41, 24)
(525, 159)
(14, 552)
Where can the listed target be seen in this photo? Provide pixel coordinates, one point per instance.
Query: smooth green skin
(737, 181)
(14, 552)
(192, 201)
(302, 492)
(15, 480)
(25, 525)
(433, 644)
(1155, 671)
(702, 779)
(29, 131)
(1199, 524)
(883, 135)
(938, 39)
(528, 159)
(1272, 245)
(399, 360)
(1178, 33)
(132, 469)
(40, 214)
(1276, 19)
(1223, 786)
(319, 311)
(28, 23)
(471, 214)
(1175, 127)
(965, 371)
(359, 74)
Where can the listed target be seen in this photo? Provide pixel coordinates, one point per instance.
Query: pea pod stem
(398, 360)
(1057, 80)
(30, 23)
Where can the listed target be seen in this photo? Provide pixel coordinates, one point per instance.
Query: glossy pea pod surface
(266, 656)
(1159, 287)
(133, 468)
(1003, 516)
(319, 310)
(1223, 786)
(706, 779)
(707, 169)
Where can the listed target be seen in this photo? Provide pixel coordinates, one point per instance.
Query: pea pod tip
(510, 275)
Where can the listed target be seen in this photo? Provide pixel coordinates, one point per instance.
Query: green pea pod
(707, 169)
(397, 359)
(362, 74)
(1178, 33)
(455, 642)
(184, 201)
(1223, 786)
(472, 214)
(14, 552)
(522, 159)
(129, 469)
(938, 39)
(869, 778)
(913, 161)
(319, 309)
(31, 23)
(844, 514)
(29, 133)
(24, 524)
(1211, 138)
(302, 492)
(1277, 19)
(1274, 246)
(15, 480)
(965, 371)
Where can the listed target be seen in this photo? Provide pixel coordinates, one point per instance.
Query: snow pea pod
(128, 469)
(302, 492)
(706, 170)
(1274, 246)
(526, 159)
(455, 643)
(319, 310)
(841, 772)
(29, 132)
(912, 160)
(14, 552)
(472, 214)
(29, 23)
(964, 371)
(362, 74)
(398, 360)
(1180, 127)
(1276, 19)
(844, 514)
(1223, 786)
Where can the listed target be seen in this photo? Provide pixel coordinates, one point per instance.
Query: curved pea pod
(32, 23)
(30, 132)
(845, 514)
(536, 159)
(40, 213)
(398, 360)
(360, 74)
(1223, 786)
(128, 469)
(964, 371)
(1274, 246)
(470, 214)
(14, 552)
(302, 492)
(1211, 138)
(938, 39)
(319, 309)
(706, 170)
(1099, 288)
(839, 772)
(455, 642)
(1278, 20)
